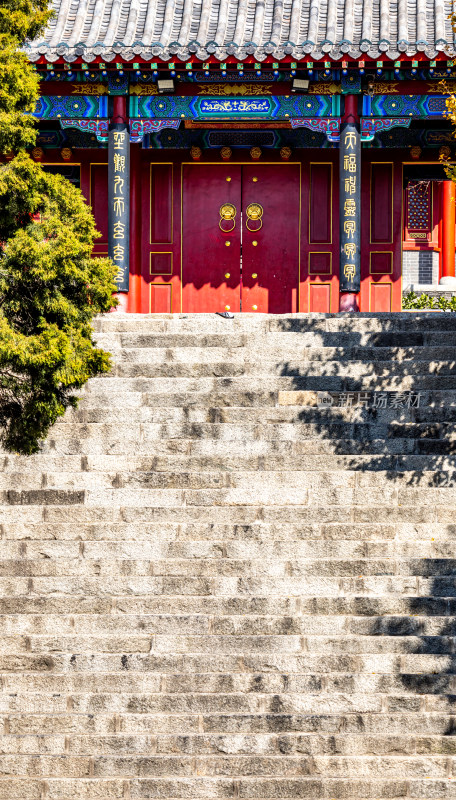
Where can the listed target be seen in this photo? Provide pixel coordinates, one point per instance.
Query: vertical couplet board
(119, 201)
(270, 241)
(350, 208)
(211, 237)
(319, 288)
(381, 235)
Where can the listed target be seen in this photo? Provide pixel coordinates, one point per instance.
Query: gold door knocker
(254, 212)
(227, 214)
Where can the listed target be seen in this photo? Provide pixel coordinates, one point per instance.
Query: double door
(240, 237)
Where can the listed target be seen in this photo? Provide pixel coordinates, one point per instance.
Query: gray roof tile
(301, 28)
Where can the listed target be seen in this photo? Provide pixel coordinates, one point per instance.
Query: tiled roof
(310, 29)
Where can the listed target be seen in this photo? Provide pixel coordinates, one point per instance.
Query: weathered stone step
(198, 413)
(420, 470)
(304, 477)
(248, 448)
(266, 431)
(263, 323)
(262, 367)
(111, 385)
(264, 744)
(212, 348)
(367, 606)
(266, 545)
(125, 393)
(286, 343)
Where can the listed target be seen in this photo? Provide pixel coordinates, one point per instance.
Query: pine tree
(50, 286)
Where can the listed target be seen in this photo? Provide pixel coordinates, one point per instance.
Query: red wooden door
(211, 237)
(320, 235)
(270, 237)
(381, 223)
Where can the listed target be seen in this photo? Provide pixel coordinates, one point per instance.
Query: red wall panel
(161, 204)
(381, 203)
(320, 203)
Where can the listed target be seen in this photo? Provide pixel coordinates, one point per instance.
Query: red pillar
(348, 301)
(134, 295)
(448, 233)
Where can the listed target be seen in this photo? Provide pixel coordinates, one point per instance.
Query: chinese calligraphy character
(350, 140)
(118, 252)
(119, 163)
(118, 184)
(350, 228)
(119, 230)
(350, 163)
(119, 206)
(350, 184)
(350, 249)
(349, 271)
(119, 139)
(349, 208)
(379, 400)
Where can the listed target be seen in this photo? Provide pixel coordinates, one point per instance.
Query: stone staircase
(231, 573)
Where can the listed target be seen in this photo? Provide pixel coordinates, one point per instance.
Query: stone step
(287, 342)
(260, 368)
(196, 413)
(112, 385)
(421, 469)
(266, 431)
(303, 475)
(263, 323)
(250, 448)
(160, 354)
(190, 347)
(121, 397)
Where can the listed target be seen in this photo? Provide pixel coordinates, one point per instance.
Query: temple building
(267, 156)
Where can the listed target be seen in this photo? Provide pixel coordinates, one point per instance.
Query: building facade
(258, 157)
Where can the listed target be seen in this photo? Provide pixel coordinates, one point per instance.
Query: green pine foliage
(50, 286)
(19, 20)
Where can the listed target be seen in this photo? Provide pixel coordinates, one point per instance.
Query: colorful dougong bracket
(327, 125)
